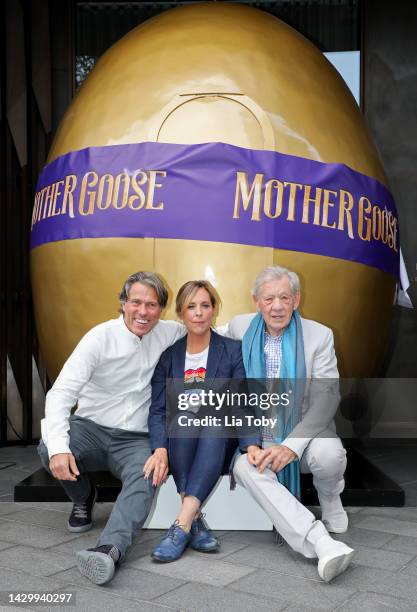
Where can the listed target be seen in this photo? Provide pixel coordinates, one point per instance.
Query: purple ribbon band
(221, 193)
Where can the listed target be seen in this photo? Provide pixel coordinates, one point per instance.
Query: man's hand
(253, 454)
(63, 466)
(277, 457)
(158, 464)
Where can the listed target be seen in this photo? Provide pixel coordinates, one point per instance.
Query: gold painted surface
(354, 300)
(218, 47)
(76, 285)
(299, 102)
(214, 118)
(229, 267)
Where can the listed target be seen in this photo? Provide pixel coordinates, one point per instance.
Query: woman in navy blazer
(196, 461)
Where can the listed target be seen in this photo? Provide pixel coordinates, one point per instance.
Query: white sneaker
(334, 563)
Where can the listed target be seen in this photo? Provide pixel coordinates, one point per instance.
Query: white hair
(276, 273)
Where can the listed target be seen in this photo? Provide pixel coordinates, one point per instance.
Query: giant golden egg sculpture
(214, 73)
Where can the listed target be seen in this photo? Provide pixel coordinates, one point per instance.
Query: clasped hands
(276, 457)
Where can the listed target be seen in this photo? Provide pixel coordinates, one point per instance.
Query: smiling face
(141, 312)
(276, 302)
(198, 313)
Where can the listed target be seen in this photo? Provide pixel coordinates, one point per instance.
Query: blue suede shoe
(172, 545)
(201, 537)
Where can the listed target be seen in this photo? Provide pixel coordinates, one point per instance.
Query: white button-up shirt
(109, 375)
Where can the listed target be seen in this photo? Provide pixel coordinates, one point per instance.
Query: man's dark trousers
(124, 454)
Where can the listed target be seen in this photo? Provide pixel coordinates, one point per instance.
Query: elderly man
(278, 343)
(109, 375)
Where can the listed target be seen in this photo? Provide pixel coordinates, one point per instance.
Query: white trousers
(325, 458)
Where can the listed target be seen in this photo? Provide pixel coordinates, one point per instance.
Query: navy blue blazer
(224, 361)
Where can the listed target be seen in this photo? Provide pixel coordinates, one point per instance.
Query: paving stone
(401, 514)
(411, 568)
(203, 598)
(82, 542)
(403, 544)
(101, 513)
(207, 570)
(353, 509)
(300, 608)
(375, 602)
(389, 525)
(45, 518)
(101, 508)
(59, 517)
(354, 514)
(28, 464)
(361, 578)
(250, 537)
(363, 537)
(15, 580)
(18, 452)
(316, 510)
(304, 591)
(45, 505)
(4, 545)
(7, 488)
(382, 559)
(277, 558)
(35, 561)
(127, 582)
(6, 497)
(141, 550)
(227, 547)
(151, 534)
(143, 546)
(7, 507)
(354, 519)
(101, 600)
(22, 462)
(32, 535)
(382, 576)
(12, 474)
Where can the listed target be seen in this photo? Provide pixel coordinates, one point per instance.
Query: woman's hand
(158, 464)
(253, 454)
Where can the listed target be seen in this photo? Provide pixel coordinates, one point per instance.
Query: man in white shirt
(278, 343)
(108, 375)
